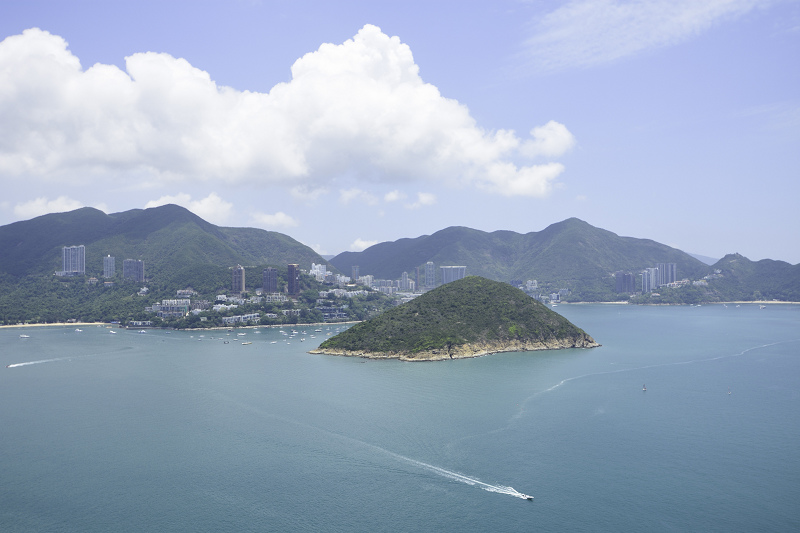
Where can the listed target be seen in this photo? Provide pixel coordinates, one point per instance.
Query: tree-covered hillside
(170, 240)
(470, 310)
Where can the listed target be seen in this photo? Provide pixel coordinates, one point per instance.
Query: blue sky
(344, 124)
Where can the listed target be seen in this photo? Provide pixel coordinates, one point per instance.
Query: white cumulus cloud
(348, 195)
(583, 33)
(211, 208)
(394, 196)
(423, 199)
(272, 221)
(551, 140)
(352, 112)
(43, 206)
(359, 245)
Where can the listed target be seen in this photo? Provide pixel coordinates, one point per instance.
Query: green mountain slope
(743, 279)
(171, 240)
(568, 251)
(469, 317)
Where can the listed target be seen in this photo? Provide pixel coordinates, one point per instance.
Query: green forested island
(465, 318)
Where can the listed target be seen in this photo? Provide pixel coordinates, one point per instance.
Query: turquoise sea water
(176, 432)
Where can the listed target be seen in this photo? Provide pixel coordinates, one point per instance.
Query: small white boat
(24, 336)
(113, 332)
(762, 306)
(143, 331)
(78, 330)
(246, 343)
(644, 388)
(526, 497)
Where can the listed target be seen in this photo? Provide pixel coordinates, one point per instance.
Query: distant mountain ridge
(767, 279)
(571, 250)
(172, 241)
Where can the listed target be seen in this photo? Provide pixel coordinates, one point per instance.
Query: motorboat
(526, 497)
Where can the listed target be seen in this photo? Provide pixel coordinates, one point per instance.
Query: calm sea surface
(182, 432)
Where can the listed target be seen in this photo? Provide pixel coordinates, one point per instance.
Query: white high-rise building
(452, 273)
(667, 273)
(74, 259)
(430, 275)
(319, 271)
(650, 279)
(109, 268)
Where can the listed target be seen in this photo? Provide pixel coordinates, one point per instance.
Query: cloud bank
(211, 208)
(585, 33)
(42, 205)
(353, 112)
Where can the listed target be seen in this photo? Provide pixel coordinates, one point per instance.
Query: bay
(179, 431)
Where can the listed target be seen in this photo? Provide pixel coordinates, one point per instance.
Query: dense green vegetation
(742, 279)
(469, 310)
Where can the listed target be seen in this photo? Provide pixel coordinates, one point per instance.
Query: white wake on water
(455, 476)
(15, 365)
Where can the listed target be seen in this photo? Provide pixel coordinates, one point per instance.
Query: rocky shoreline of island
(466, 351)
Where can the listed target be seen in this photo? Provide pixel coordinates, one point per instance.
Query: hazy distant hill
(173, 242)
(704, 258)
(571, 250)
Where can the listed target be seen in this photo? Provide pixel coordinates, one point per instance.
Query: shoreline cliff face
(466, 318)
(466, 351)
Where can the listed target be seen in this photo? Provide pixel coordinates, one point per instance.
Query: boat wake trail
(449, 474)
(455, 476)
(15, 365)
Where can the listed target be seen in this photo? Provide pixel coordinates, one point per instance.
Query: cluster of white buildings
(240, 319)
(342, 293)
(321, 274)
(424, 278)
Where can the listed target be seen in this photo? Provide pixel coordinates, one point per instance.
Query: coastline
(735, 302)
(62, 324)
(467, 351)
(51, 324)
